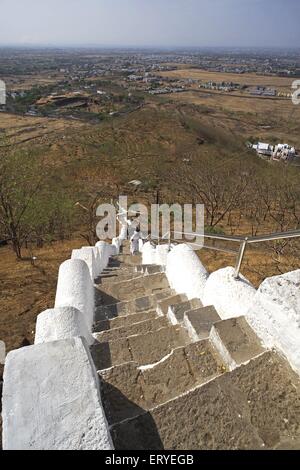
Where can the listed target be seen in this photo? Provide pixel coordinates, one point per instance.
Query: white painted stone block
(61, 323)
(123, 233)
(116, 243)
(275, 315)
(51, 399)
(75, 288)
(87, 255)
(161, 254)
(97, 261)
(104, 253)
(148, 254)
(231, 297)
(185, 272)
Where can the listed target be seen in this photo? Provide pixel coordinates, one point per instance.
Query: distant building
(262, 91)
(284, 152)
(263, 149)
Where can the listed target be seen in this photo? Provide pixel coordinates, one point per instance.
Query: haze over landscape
(168, 23)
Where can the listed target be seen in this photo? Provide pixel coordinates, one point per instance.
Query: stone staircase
(173, 375)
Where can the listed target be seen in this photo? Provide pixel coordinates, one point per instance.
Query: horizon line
(139, 47)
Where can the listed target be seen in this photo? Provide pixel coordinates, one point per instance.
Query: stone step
(199, 322)
(236, 341)
(164, 304)
(110, 278)
(139, 328)
(152, 347)
(138, 287)
(129, 259)
(148, 268)
(143, 349)
(176, 312)
(124, 320)
(127, 389)
(256, 406)
(135, 305)
(153, 269)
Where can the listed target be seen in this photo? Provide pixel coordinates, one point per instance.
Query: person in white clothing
(134, 241)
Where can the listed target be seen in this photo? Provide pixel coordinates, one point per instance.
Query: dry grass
(27, 290)
(250, 79)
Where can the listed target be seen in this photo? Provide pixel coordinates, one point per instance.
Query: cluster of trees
(34, 207)
(242, 197)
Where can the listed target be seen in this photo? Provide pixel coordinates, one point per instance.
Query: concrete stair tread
(128, 259)
(149, 268)
(137, 328)
(256, 406)
(153, 270)
(236, 341)
(109, 279)
(132, 306)
(124, 320)
(176, 312)
(138, 287)
(146, 387)
(199, 321)
(164, 304)
(144, 349)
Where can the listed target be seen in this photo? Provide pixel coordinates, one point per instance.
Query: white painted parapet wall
(231, 297)
(87, 254)
(105, 252)
(185, 272)
(148, 253)
(51, 399)
(275, 314)
(76, 289)
(61, 323)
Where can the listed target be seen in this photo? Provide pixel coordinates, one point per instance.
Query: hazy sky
(151, 22)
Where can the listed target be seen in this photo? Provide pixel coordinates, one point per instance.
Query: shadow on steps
(141, 434)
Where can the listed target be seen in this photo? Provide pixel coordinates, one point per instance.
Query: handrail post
(240, 258)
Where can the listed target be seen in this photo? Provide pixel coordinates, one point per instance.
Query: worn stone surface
(164, 389)
(164, 304)
(138, 328)
(235, 339)
(152, 347)
(200, 321)
(51, 399)
(147, 387)
(107, 354)
(138, 287)
(254, 407)
(176, 312)
(124, 320)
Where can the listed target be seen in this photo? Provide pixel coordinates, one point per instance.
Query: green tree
(32, 208)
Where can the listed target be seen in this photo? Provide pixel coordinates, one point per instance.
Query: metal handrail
(243, 241)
